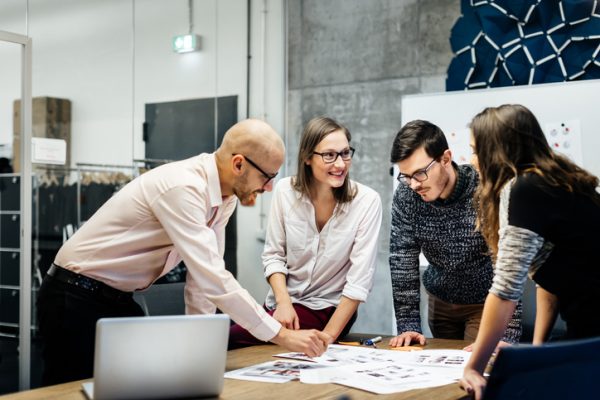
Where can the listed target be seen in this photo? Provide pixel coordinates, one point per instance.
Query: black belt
(89, 284)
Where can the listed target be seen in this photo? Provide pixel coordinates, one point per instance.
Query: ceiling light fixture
(189, 42)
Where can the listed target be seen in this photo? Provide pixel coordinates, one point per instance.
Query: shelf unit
(10, 254)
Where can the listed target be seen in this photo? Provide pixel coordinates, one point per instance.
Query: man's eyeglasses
(419, 176)
(330, 156)
(269, 177)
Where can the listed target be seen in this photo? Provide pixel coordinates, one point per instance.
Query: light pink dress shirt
(170, 213)
(322, 266)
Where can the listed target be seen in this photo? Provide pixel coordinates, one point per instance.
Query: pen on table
(372, 341)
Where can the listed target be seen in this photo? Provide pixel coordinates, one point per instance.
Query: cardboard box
(51, 118)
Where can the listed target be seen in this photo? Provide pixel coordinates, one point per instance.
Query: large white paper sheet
(337, 355)
(381, 378)
(374, 370)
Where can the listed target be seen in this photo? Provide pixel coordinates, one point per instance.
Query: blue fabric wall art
(524, 42)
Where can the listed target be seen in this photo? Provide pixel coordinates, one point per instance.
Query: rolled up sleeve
(517, 249)
(363, 256)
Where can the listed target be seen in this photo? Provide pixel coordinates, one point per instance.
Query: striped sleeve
(517, 248)
(519, 251)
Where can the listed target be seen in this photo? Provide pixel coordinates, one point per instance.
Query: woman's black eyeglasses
(330, 156)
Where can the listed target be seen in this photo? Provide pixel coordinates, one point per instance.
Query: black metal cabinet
(10, 256)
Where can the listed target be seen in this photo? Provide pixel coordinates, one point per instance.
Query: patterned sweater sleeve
(404, 266)
(520, 250)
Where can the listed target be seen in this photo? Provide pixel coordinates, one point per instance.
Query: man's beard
(246, 197)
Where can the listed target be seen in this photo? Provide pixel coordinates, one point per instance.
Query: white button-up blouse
(322, 266)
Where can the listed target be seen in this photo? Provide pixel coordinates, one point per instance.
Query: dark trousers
(309, 319)
(67, 317)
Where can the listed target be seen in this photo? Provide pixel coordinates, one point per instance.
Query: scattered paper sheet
(337, 355)
(381, 378)
(374, 370)
(272, 371)
(441, 358)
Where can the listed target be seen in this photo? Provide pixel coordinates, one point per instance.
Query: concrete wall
(353, 60)
(267, 80)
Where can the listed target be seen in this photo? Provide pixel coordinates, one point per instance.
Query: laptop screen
(160, 357)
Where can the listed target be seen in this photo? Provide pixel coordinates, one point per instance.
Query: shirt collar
(212, 179)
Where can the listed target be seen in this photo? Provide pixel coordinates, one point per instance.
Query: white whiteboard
(575, 104)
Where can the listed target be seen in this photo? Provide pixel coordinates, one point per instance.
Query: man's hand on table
(311, 342)
(407, 338)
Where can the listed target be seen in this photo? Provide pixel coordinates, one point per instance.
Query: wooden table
(239, 390)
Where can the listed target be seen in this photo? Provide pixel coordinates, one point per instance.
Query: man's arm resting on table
(406, 338)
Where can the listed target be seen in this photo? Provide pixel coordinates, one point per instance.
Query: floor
(9, 365)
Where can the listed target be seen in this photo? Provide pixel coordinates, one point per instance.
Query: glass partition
(107, 83)
(10, 219)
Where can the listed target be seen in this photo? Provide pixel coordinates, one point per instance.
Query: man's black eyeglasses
(330, 156)
(269, 177)
(419, 176)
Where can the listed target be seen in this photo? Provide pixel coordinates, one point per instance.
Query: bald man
(175, 212)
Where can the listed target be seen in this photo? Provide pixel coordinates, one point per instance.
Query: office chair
(164, 299)
(560, 370)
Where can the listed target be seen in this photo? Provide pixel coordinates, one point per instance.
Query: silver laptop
(159, 357)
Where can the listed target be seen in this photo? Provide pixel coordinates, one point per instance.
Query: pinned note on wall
(458, 142)
(565, 137)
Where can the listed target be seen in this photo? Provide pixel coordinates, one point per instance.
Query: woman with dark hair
(539, 213)
(322, 236)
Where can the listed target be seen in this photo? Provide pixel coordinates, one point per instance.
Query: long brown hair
(315, 131)
(509, 142)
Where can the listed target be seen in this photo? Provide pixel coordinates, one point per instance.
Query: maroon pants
(309, 319)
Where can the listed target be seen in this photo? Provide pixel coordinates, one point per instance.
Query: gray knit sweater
(460, 270)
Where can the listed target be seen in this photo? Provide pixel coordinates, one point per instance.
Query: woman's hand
(473, 383)
(287, 316)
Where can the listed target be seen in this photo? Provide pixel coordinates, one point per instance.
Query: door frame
(25, 292)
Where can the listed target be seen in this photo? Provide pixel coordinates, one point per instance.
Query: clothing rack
(81, 168)
(95, 165)
(153, 160)
(149, 163)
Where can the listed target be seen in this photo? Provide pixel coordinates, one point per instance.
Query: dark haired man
(433, 213)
